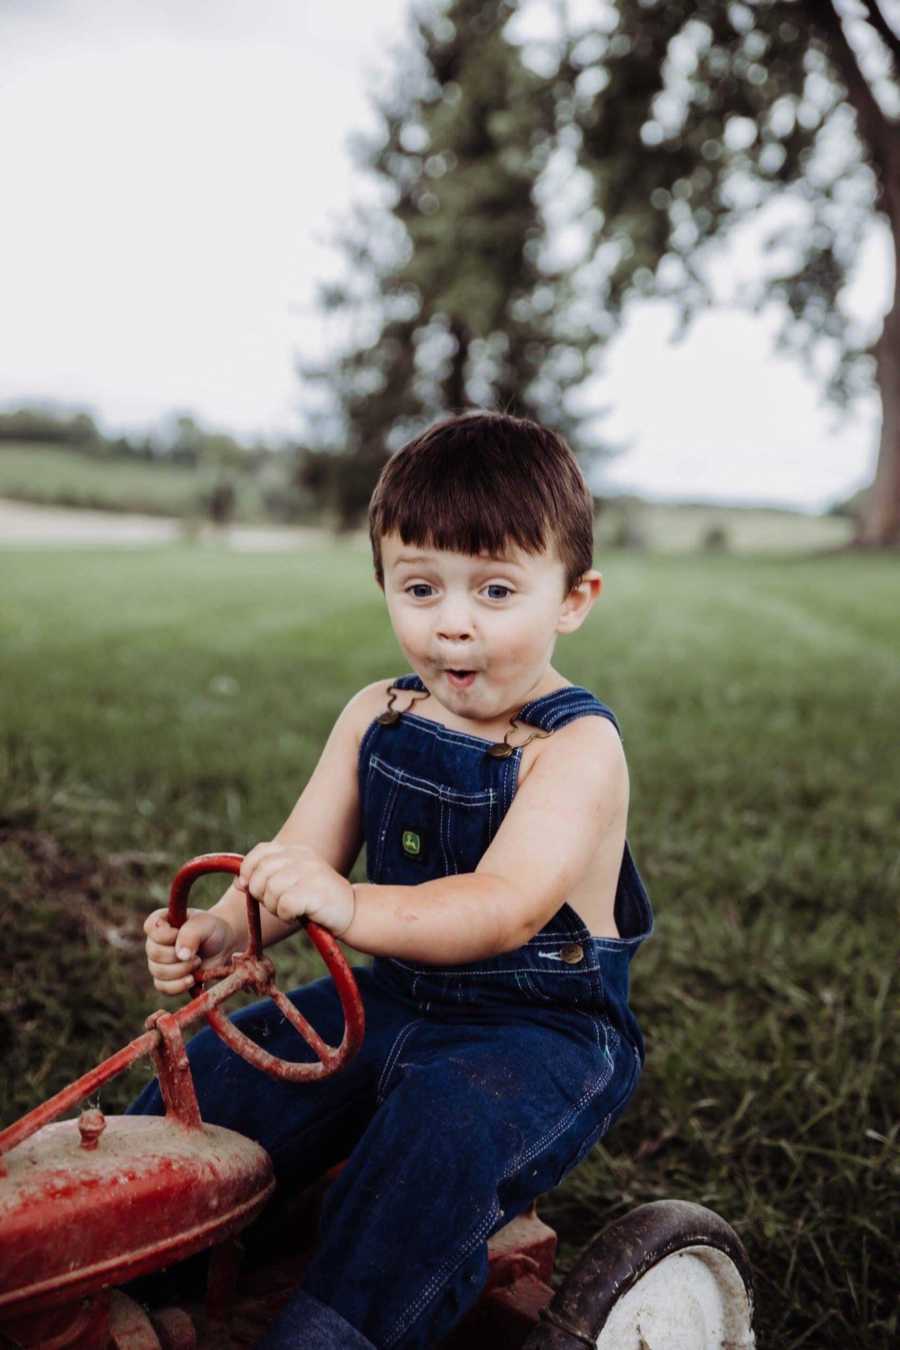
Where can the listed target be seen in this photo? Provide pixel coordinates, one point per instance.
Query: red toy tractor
(88, 1204)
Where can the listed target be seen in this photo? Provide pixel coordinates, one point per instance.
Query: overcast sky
(173, 170)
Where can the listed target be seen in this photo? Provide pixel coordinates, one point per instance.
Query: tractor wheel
(670, 1275)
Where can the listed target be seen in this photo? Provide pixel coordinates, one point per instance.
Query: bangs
(483, 483)
(469, 511)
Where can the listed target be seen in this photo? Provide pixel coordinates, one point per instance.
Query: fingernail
(184, 953)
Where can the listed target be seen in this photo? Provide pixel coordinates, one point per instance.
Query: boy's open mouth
(460, 677)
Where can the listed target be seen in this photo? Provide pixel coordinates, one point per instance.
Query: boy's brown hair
(480, 481)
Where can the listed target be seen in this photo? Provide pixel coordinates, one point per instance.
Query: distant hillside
(685, 527)
(53, 476)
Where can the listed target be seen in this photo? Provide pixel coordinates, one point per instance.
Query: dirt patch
(72, 938)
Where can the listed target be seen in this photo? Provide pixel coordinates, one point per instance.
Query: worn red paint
(261, 977)
(88, 1204)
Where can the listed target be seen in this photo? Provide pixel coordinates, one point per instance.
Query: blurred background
(246, 251)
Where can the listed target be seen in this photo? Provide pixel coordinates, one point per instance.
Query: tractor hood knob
(91, 1125)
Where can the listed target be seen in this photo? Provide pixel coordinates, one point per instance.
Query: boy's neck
(493, 727)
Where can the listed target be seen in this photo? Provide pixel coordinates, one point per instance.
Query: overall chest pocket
(417, 830)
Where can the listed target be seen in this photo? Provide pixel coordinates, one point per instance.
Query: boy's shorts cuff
(307, 1323)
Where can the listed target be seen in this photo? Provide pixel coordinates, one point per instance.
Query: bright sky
(174, 170)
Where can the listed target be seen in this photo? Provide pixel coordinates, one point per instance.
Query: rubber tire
(622, 1255)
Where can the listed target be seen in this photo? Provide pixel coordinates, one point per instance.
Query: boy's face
(479, 630)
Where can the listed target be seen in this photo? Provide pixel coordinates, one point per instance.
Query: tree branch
(874, 128)
(884, 30)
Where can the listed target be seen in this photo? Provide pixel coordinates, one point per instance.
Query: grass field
(160, 703)
(58, 477)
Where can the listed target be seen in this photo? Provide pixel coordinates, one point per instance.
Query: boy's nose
(455, 624)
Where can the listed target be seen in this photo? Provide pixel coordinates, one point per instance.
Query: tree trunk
(455, 384)
(879, 525)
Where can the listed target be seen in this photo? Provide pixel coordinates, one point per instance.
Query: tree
(692, 115)
(51, 425)
(453, 297)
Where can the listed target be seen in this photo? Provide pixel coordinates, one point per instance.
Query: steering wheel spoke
(325, 1052)
(329, 1058)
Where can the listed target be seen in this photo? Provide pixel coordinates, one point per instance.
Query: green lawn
(160, 703)
(63, 477)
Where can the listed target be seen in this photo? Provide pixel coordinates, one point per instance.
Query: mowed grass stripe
(159, 703)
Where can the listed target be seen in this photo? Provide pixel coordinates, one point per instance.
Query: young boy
(502, 905)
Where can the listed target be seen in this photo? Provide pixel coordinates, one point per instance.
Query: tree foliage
(696, 115)
(453, 299)
(653, 130)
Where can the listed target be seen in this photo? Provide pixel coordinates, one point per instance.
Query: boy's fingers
(265, 871)
(251, 862)
(156, 924)
(172, 970)
(190, 937)
(203, 934)
(173, 986)
(158, 951)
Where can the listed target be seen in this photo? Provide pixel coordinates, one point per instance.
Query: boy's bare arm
(574, 796)
(326, 818)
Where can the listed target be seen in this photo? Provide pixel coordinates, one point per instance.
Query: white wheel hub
(694, 1299)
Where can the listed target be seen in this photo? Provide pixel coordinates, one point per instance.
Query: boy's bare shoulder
(588, 751)
(364, 707)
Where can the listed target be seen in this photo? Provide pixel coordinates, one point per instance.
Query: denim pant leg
(475, 1121)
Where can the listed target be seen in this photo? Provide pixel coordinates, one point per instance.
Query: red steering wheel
(261, 975)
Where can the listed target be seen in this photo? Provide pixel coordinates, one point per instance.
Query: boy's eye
(420, 590)
(497, 592)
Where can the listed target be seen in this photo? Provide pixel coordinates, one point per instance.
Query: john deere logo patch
(412, 843)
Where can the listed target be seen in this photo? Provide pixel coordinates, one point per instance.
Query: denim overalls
(478, 1087)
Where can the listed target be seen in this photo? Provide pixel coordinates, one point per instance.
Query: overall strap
(565, 705)
(407, 682)
(550, 712)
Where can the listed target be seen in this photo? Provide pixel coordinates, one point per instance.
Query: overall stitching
(392, 1056)
(465, 740)
(386, 814)
(450, 766)
(461, 973)
(583, 709)
(364, 746)
(482, 798)
(413, 1310)
(454, 761)
(442, 835)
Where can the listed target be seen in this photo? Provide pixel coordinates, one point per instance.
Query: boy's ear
(578, 603)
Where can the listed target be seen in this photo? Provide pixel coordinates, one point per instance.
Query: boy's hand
(204, 939)
(293, 883)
